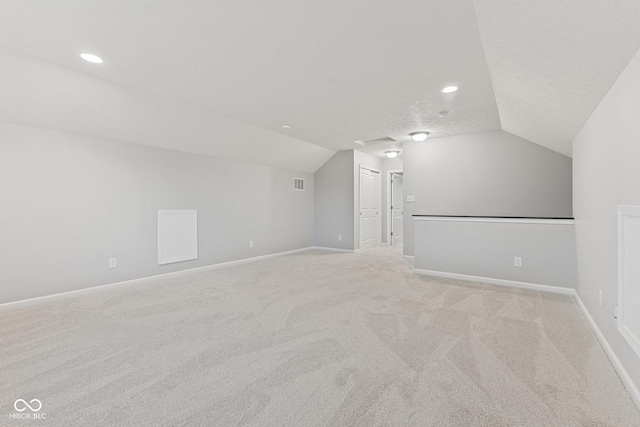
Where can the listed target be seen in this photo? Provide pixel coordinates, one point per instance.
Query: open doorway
(396, 209)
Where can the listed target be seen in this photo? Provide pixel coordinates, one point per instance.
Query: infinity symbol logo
(24, 405)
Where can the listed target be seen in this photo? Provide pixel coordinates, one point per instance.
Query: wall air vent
(298, 184)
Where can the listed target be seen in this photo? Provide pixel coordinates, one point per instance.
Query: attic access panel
(177, 236)
(629, 275)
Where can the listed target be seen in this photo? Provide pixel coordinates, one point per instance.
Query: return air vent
(298, 184)
(384, 140)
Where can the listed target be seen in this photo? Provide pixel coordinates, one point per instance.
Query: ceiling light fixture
(450, 89)
(90, 57)
(285, 126)
(392, 154)
(419, 136)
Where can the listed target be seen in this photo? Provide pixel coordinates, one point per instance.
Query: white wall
(71, 202)
(487, 247)
(484, 174)
(333, 207)
(337, 199)
(41, 94)
(607, 174)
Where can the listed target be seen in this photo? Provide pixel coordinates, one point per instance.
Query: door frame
(388, 203)
(357, 217)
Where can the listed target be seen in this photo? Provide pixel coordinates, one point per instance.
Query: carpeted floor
(311, 339)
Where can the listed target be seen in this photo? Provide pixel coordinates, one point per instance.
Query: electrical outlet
(517, 261)
(600, 297)
(250, 243)
(339, 236)
(113, 262)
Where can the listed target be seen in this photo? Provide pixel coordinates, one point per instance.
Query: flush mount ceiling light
(392, 154)
(419, 136)
(450, 89)
(285, 126)
(90, 57)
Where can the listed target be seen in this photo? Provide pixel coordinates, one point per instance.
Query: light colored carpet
(311, 339)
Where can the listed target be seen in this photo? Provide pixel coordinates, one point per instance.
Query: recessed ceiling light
(392, 154)
(285, 126)
(450, 89)
(419, 136)
(90, 57)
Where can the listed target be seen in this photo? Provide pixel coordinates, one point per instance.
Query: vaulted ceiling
(220, 77)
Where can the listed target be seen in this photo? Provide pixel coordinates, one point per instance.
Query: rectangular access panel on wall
(177, 236)
(629, 275)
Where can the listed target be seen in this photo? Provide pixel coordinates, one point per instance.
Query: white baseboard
(408, 257)
(155, 277)
(324, 248)
(622, 373)
(500, 282)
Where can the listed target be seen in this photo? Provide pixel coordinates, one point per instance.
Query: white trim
(500, 282)
(625, 211)
(389, 201)
(325, 248)
(157, 276)
(408, 257)
(617, 365)
(370, 169)
(358, 215)
(628, 335)
(504, 220)
(629, 210)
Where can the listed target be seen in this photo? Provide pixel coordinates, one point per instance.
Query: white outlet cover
(411, 198)
(113, 262)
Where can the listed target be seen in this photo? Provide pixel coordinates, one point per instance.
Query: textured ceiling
(552, 62)
(220, 77)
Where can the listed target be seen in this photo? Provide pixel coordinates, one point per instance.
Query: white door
(396, 209)
(369, 208)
